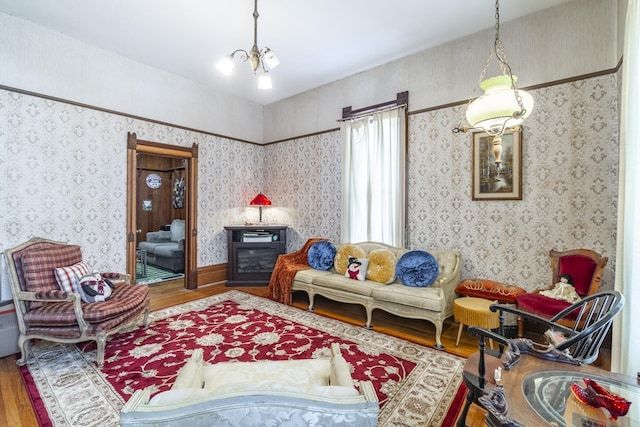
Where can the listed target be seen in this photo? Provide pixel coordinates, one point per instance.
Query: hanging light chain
(504, 65)
(498, 50)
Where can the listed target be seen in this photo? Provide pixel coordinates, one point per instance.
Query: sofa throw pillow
(357, 268)
(382, 266)
(417, 268)
(95, 288)
(321, 255)
(177, 230)
(68, 278)
(344, 252)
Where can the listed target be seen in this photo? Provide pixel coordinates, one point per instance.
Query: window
(373, 177)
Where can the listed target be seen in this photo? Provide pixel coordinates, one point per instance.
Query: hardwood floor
(16, 410)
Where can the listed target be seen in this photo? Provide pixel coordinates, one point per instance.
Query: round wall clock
(154, 181)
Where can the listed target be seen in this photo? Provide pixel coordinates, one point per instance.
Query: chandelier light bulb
(264, 81)
(225, 65)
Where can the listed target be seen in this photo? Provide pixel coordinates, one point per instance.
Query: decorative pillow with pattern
(321, 255)
(357, 268)
(417, 269)
(68, 278)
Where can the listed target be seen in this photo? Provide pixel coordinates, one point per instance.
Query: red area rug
(416, 385)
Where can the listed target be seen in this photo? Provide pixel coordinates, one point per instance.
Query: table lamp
(260, 200)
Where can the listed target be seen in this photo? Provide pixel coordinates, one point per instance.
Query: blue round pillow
(321, 255)
(417, 269)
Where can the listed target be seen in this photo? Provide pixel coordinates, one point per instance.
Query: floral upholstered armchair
(44, 278)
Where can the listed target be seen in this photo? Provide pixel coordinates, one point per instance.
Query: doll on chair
(563, 290)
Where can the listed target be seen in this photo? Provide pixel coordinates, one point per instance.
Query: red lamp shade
(260, 200)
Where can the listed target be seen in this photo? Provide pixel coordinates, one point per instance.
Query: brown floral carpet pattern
(416, 385)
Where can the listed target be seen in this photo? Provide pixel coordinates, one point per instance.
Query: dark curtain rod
(402, 98)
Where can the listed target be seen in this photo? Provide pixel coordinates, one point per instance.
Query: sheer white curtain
(626, 345)
(373, 178)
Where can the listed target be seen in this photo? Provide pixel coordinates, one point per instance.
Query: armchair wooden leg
(520, 326)
(24, 344)
(101, 342)
(462, 419)
(145, 320)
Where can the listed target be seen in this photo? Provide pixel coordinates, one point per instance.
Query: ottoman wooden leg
(459, 333)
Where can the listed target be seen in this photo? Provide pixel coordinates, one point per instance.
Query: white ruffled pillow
(334, 391)
(190, 375)
(174, 397)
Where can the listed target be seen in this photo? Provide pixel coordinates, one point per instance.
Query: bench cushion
(310, 274)
(426, 298)
(336, 281)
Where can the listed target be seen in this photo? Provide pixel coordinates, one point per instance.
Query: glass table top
(549, 395)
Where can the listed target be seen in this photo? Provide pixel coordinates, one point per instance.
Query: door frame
(190, 155)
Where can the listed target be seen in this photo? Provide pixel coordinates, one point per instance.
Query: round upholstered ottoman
(472, 311)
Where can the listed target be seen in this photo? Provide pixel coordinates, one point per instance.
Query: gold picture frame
(497, 180)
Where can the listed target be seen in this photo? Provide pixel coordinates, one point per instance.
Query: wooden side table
(537, 392)
(472, 311)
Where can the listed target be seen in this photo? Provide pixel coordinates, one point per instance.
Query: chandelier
(258, 58)
(502, 106)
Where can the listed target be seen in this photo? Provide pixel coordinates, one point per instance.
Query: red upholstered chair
(47, 312)
(583, 265)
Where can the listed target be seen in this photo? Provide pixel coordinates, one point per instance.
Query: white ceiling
(317, 41)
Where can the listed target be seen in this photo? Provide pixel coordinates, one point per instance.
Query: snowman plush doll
(95, 288)
(357, 268)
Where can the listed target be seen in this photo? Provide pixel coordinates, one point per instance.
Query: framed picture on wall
(497, 166)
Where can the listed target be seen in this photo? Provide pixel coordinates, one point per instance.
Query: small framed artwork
(497, 166)
(147, 205)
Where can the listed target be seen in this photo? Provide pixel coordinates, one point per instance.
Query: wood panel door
(158, 203)
(165, 159)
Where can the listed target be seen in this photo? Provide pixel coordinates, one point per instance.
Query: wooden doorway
(188, 158)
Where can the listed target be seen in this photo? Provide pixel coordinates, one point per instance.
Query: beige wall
(39, 60)
(573, 39)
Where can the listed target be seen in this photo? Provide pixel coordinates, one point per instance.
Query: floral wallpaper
(63, 176)
(570, 176)
(63, 172)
